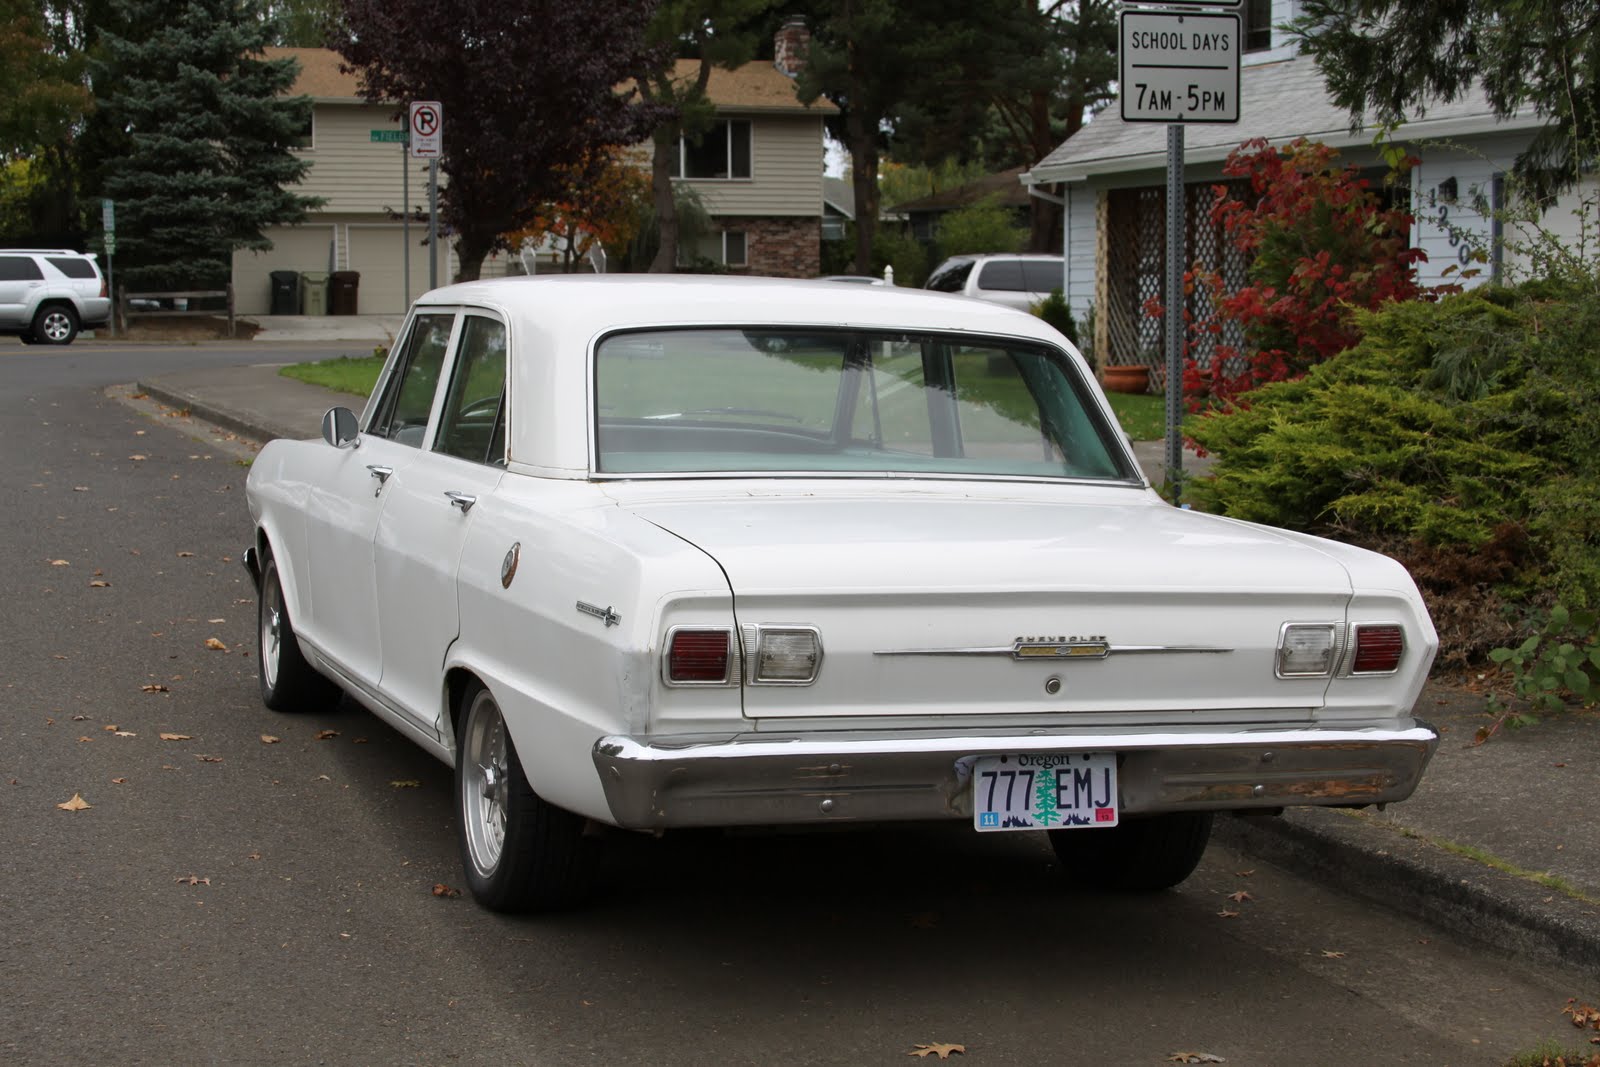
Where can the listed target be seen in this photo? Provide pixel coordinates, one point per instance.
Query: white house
(1112, 176)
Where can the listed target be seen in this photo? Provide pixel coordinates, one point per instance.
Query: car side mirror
(339, 428)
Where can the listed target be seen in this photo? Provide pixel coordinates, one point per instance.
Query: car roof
(44, 252)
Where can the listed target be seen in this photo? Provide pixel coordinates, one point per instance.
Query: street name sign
(427, 129)
(390, 136)
(1179, 66)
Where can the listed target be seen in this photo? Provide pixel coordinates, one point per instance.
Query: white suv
(1018, 281)
(48, 295)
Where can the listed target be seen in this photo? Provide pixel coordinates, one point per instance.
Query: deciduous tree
(530, 93)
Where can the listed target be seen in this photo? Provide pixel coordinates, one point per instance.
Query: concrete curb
(246, 424)
(1362, 856)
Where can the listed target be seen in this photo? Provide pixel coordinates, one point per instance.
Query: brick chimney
(789, 45)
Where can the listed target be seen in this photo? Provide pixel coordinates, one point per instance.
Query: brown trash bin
(343, 292)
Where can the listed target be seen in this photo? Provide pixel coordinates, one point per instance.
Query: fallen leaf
(215, 621)
(209, 759)
(77, 803)
(216, 646)
(325, 735)
(192, 880)
(85, 739)
(176, 737)
(80, 489)
(322, 778)
(99, 583)
(119, 781)
(442, 890)
(358, 740)
(136, 457)
(253, 856)
(110, 729)
(1329, 954)
(941, 1051)
(1194, 1057)
(406, 783)
(1245, 874)
(154, 688)
(1227, 914)
(268, 739)
(1240, 897)
(59, 563)
(125, 733)
(185, 555)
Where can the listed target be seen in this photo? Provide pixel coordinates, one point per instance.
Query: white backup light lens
(1305, 650)
(787, 656)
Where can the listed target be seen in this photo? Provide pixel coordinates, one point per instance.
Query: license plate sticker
(1045, 791)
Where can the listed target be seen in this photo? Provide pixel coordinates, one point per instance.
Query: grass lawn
(1143, 416)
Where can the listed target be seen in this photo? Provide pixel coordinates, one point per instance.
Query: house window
(723, 151)
(1257, 25)
(733, 248)
(302, 136)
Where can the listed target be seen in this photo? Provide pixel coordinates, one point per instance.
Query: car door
(346, 501)
(20, 280)
(427, 513)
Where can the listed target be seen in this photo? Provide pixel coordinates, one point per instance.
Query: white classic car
(658, 552)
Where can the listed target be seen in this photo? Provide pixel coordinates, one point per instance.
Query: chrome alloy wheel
(55, 326)
(271, 631)
(485, 782)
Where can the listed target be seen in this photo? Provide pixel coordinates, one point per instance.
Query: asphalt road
(229, 900)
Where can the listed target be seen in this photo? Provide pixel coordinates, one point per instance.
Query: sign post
(1178, 67)
(427, 142)
(108, 218)
(403, 138)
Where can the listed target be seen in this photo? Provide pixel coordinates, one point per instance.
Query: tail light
(1377, 648)
(783, 655)
(105, 288)
(698, 656)
(1306, 650)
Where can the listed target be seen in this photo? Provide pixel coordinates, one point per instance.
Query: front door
(20, 277)
(425, 520)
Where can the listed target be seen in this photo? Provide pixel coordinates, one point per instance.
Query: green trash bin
(314, 292)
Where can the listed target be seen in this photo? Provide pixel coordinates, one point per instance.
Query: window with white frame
(723, 151)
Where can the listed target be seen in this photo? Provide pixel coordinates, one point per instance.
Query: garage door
(297, 248)
(377, 253)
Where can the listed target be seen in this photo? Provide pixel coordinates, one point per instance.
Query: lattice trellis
(1136, 271)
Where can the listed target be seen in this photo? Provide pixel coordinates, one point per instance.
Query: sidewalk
(1501, 842)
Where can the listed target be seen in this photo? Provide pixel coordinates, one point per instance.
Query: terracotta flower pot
(1133, 378)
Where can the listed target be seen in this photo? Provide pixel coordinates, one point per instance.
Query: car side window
(19, 269)
(951, 279)
(1003, 275)
(402, 413)
(472, 425)
(1042, 275)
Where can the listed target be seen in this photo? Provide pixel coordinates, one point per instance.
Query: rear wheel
(55, 324)
(519, 852)
(288, 682)
(1140, 855)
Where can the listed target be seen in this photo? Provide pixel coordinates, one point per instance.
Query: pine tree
(210, 133)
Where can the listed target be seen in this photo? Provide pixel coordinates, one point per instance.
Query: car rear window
(74, 266)
(950, 279)
(19, 269)
(845, 402)
(1042, 275)
(1004, 275)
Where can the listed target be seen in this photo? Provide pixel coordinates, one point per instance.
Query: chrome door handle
(464, 501)
(381, 473)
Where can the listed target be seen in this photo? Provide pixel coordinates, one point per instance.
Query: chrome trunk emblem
(605, 614)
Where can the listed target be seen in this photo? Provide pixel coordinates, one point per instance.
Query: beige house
(758, 172)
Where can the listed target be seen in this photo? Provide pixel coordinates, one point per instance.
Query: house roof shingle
(756, 86)
(1278, 101)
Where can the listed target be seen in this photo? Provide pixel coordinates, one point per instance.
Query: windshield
(845, 402)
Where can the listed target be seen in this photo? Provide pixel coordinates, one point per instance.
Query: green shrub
(984, 226)
(1055, 310)
(1456, 435)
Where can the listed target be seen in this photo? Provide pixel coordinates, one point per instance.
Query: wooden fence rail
(126, 310)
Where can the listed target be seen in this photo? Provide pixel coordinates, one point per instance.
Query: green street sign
(392, 136)
(111, 243)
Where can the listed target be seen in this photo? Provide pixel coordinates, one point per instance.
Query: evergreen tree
(209, 132)
(1391, 58)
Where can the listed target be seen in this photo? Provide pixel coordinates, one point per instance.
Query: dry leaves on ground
(941, 1051)
(1226, 914)
(216, 646)
(77, 803)
(1194, 1057)
(1240, 897)
(406, 783)
(99, 583)
(190, 879)
(268, 739)
(175, 737)
(325, 735)
(1330, 954)
(154, 687)
(442, 890)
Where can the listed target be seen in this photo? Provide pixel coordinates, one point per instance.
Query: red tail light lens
(698, 656)
(1378, 649)
(105, 290)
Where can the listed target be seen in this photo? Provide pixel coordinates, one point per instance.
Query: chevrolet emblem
(1023, 648)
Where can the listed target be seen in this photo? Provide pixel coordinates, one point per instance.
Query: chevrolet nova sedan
(649, 553)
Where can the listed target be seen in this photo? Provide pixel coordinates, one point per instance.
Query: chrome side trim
(1064, 651)
(841, 776)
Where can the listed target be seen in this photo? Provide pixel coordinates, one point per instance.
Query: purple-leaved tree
(533, 94)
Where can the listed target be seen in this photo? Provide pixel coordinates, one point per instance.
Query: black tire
(288, 682)
(519, 853)
(1141, 855)
(26, 338)
(55, 324)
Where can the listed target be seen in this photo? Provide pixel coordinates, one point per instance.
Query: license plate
(1055, 791)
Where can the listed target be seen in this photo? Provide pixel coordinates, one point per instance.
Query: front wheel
(1141, 855)
(519, 852)
(56, 324)
(288, 682)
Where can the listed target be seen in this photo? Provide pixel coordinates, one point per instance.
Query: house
(925, 212)
(1111, 176)
(758, 172)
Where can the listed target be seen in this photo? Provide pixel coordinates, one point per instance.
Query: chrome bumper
(845, 777)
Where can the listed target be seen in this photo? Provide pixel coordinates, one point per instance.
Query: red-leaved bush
(1320, 244)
